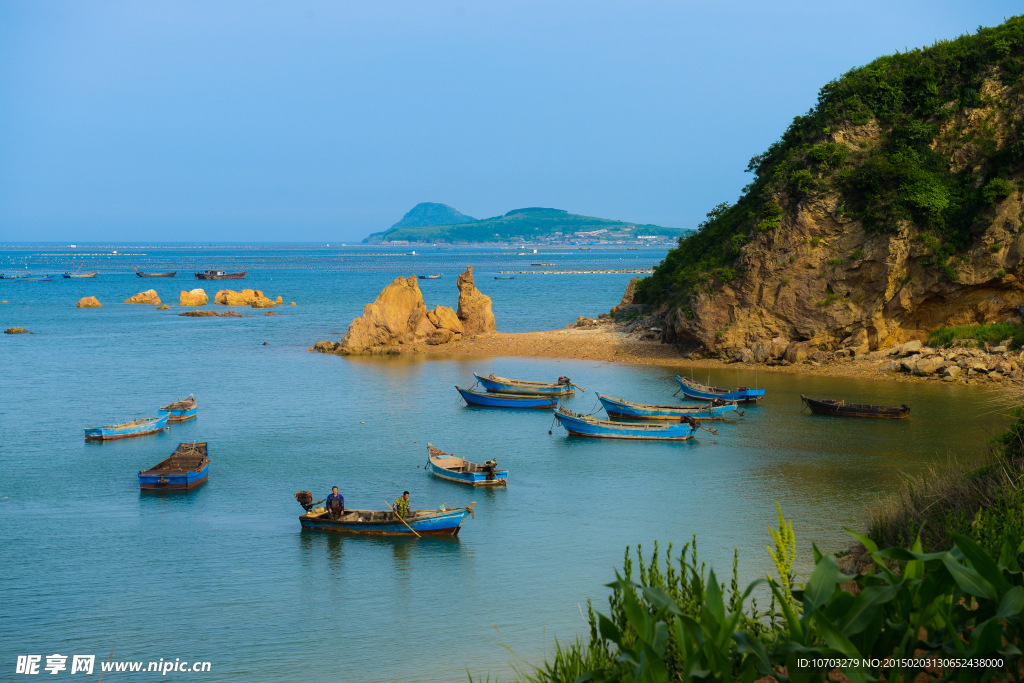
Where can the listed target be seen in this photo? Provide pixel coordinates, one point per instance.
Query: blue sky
(325, 121)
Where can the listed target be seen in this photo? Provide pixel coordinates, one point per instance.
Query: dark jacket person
(335, 499)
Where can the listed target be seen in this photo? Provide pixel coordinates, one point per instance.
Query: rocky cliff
(399, 318)
(893, 208)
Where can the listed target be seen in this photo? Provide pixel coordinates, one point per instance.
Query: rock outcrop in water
(399, 318)
(474, 306)
(148, 297)
(247, 297)
(197, 297)
(16, 330)
(89, 302)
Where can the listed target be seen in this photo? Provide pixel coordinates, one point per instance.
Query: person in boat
(402, 505)
(335, 503)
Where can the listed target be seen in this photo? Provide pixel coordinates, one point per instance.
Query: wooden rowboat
(584, 425)
(504, 385)
(187, 468)
(443, 522)
(704, 392)
(623, 409)
(495, 400)
(140, 427)
(447, 466)
(844, 409)
(169, 273)
(180, 411)
(220, 275)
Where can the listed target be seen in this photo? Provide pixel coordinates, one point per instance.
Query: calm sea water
(225, 574)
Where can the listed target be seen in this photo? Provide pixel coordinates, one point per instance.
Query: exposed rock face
(148, 297)
(474, 306)
(628, 297)
(197, 297)
(247, 297)
(822, 295)
(15, 330)
(399, 317)
(210, 314)
(162, 307)
(89, 302)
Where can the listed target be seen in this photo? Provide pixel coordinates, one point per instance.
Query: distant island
(432, 222)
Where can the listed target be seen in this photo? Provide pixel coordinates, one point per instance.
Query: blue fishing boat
(504, 385)
(623, 409)
(447, 466)
(28, 278)
(187, 468)
(480, 398)
(180, 411)
(693, 389)
(445, 521)
(584, 425)
(145, 425)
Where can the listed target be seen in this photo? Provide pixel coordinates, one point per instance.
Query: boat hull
(225, 276)
(478, 398)
(469, 478)
(112, 432)
(843, 409)
(602, 430)
(167, 274)
(503, 387)
(180, 415)
(634, 411)
(443, 524)
(79, 276)
(739, 395)
(174, 482)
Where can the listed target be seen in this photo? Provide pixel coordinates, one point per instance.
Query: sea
(90, 565)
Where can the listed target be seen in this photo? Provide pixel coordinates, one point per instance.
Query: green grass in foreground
(993, 333)
(676, 622)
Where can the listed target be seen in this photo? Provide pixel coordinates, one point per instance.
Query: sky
(309, 121)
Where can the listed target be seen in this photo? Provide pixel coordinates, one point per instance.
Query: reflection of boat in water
(187, 468)
(623, 409)
(584, 425)
(140, 427)
(442, 522)
(447, 466)
(503, 385)
(504, 277)
(436, 276)
(844, 409)
(498, 400)
(707, 393)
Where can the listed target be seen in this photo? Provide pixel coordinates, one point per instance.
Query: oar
(403, 521)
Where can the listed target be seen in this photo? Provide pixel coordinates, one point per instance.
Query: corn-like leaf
(969, 580)
(796, 631)
(609, 631)
(822, 584)
(983, 564)
(1012, 603)
(986, 638)
(864, 607)
(864, 541)
(713, 599)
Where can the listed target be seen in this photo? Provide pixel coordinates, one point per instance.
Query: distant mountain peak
(426, 214)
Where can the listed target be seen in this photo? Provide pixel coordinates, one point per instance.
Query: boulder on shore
(474, 306)
(162, 307)
(247, 297)
(15, 330)
(197, 297)
(148, 297)
(89, 302)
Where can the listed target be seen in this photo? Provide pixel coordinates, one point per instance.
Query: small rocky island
(399, 319)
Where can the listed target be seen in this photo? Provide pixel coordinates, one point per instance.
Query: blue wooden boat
(145, 425)
(180, 411)
(504, 385)
(584, 425)
(623, 409)
(187, 468)
(447, 466)
(693, 389)
(445, 521)
(480, 398)
(28, 278)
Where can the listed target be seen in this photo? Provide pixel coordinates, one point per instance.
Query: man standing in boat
(335, 496)
(402, 505)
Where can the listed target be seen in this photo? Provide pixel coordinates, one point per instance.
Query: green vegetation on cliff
(918, 138)
(522, 224)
